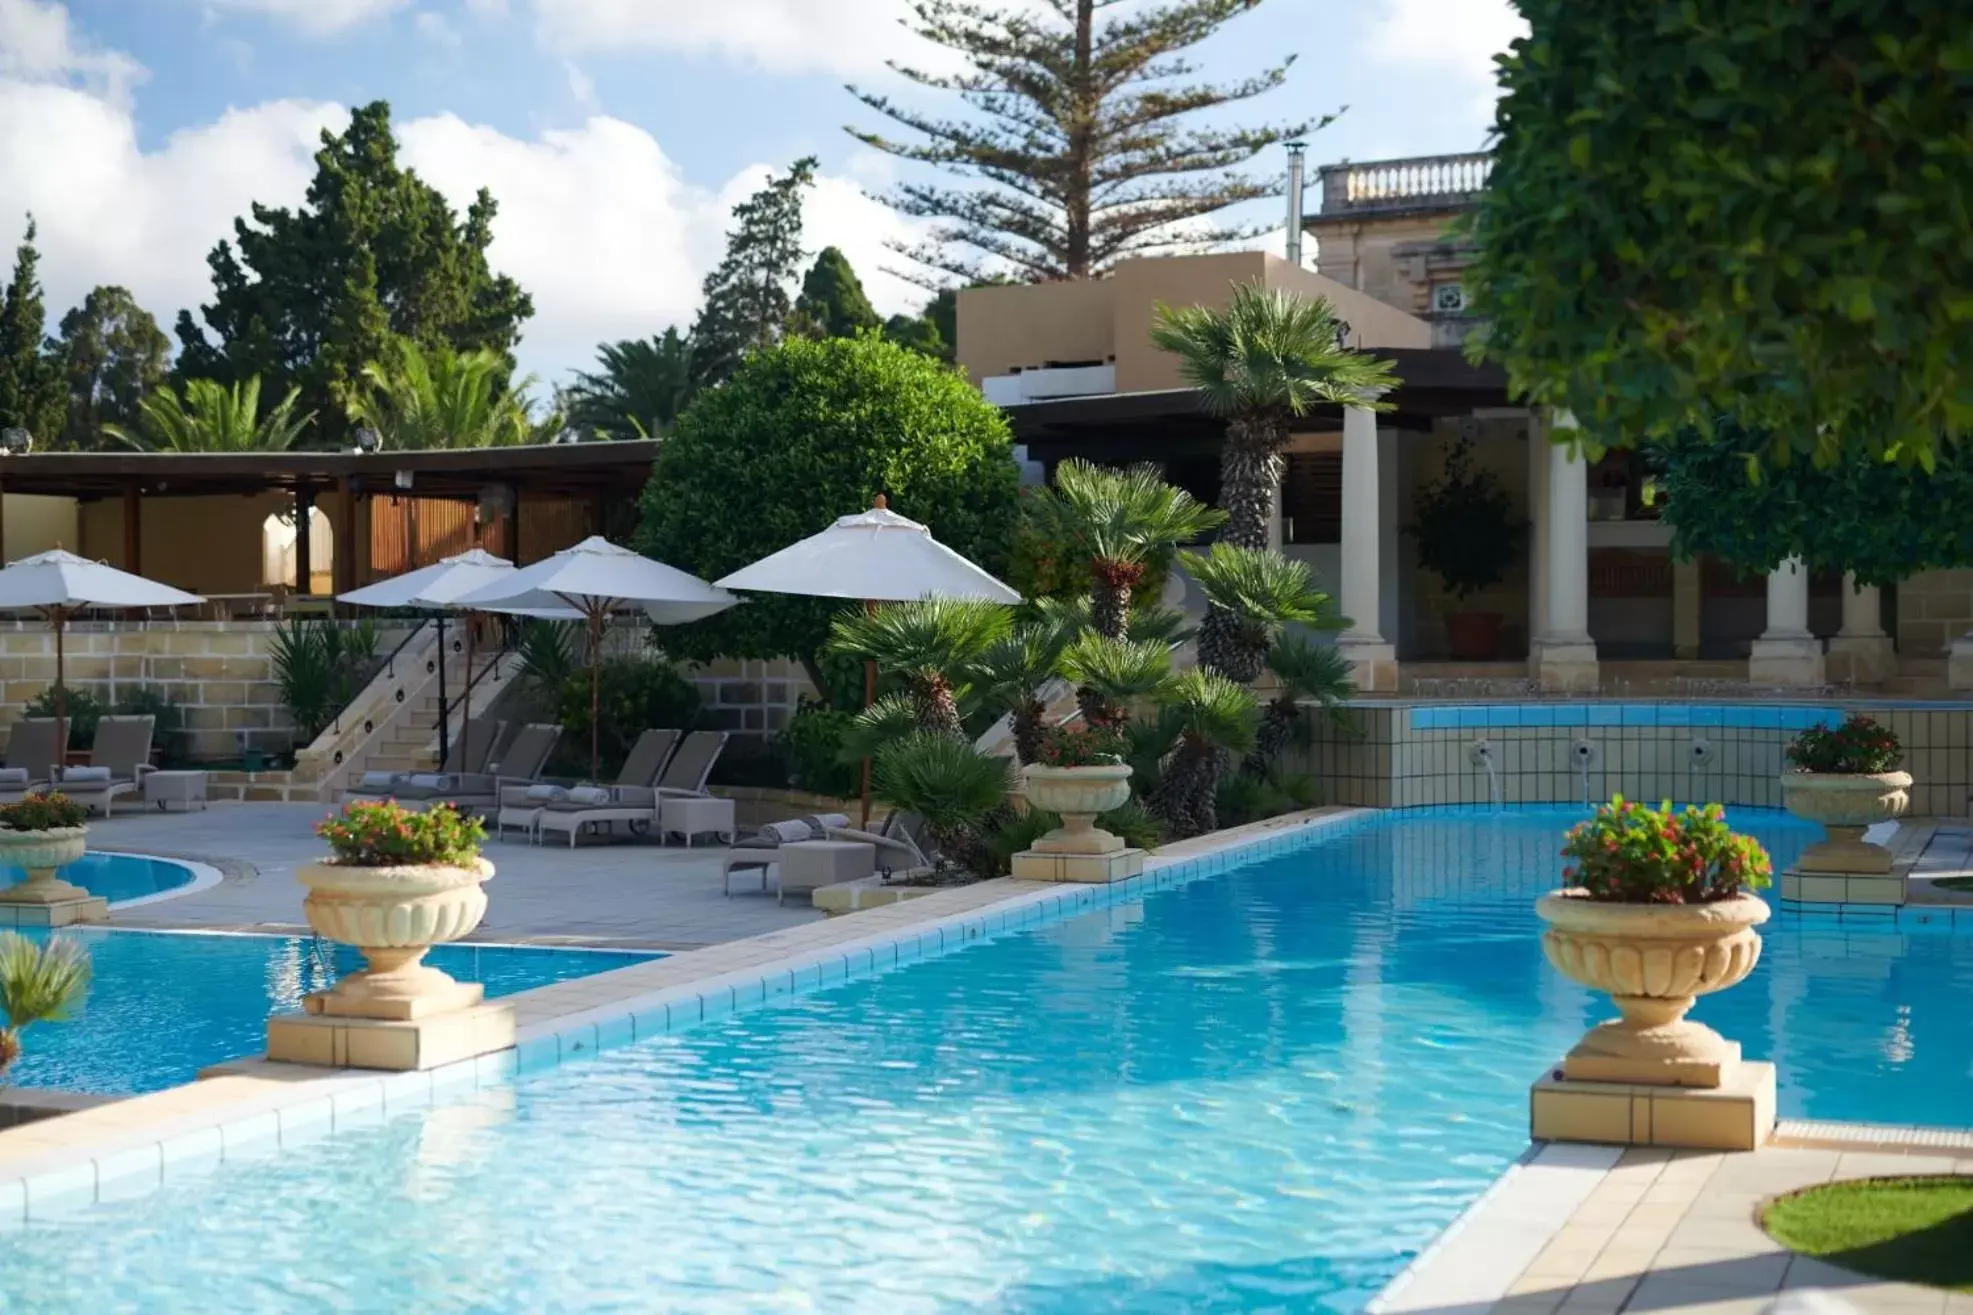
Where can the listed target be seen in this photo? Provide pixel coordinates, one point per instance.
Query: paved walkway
(599, 894)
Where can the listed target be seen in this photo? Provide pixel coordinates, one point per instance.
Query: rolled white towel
(85, 773)
(1810, 1301)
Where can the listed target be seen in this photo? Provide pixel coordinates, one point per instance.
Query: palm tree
(1208, 719)
(1121, 518)
(440, 398)
(40, 982)
(211, 417)
(1111, 674)
(1270, 358)
(1259, 591)
(1308, 672)
(1012, 669)
(642, 386)
(931, 644)
(946, 781)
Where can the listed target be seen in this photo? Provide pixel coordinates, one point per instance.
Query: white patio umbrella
(57, 583)
(875, 556)
(437, 589)
(594, 579)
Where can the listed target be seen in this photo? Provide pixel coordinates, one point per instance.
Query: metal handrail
(390, 666)
(473, 678)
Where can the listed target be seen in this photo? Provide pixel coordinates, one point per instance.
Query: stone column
(1538, 538)
(1786, 654)
(1564, 656)
(1372, 656)
(1688, 609)
(1861, 653)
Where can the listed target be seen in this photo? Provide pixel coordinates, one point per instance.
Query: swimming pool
(163, 1005)
(1265, 1089)
(118, 878)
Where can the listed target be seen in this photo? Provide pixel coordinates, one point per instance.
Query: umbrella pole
(595, 675)
(61, 700)
(869, 697)
(444, 718)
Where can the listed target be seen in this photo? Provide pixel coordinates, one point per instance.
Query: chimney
(1297, 155)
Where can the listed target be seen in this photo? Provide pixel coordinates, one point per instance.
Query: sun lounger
(31, 759)
(118, 763)
(479, 792)
(762, 849)
(476, 744)
(548, 807)
(902, 844)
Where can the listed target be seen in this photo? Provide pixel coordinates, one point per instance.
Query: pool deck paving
(635, 895)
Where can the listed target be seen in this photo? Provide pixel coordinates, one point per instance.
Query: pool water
(1262, 1090)
(116, 877)
(163, 1005)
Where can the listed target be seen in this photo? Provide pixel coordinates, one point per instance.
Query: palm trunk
(1109, 599)
(938, 711)
(1228, 648)
(1271, 736)
(1027, 730)
(1188, 792)
(1249, 477)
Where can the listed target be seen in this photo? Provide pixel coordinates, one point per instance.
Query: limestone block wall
(1934, 608)
(749, 696)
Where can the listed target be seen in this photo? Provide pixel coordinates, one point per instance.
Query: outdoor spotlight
(402, 479)
(16, 441)
(368, 439)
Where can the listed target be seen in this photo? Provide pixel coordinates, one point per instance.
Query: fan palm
(440, 398)
(891, 718)
(40, 982)
(1121, 518)
(1009, 672)
(211, 417)
(1260, 591)
(642, 386)
(1308, 672)
(946, 781)
(1210, 719)
(1271, 357)
(930, 644)
(1111, 674)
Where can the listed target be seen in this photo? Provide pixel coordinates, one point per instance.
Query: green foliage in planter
(84, 711)
(634, 694)
(1859, 513)
(1465, 526)
(813, 744)
(1860, 746)
(1631, 854)
(1080, 745)
(1648, 259)
(40, 982)
(807, 432)
(384, 834)
(42, 812)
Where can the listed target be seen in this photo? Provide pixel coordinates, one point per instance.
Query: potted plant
(398, 883)
(40, 982)
(1079, 772)
(1659, 910)
(1467, 535)
(39, 834)
(1847, 779)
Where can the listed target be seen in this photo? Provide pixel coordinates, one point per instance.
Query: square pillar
(1786, 654)
(1563, 656)
(1538, 539)
(1861, 653)
(1372, 657)
(1688, 607)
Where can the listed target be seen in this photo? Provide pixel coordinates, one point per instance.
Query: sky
(616, 135)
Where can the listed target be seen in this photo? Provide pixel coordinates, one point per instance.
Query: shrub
(42, 812)
(950, 784)
(84, 711)
(168, 721)
(1859, 746)
(1465, 526)
(1630, 854)
(371, 835)
(1080, 746)
(813, 743)
(634, 694)
(320, 666)
(40, 982)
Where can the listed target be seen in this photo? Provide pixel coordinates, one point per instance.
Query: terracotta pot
(39, 853)
(1653, 960)
(1473, 636)
(1846, 804)
(394, 915)
(1079, 794)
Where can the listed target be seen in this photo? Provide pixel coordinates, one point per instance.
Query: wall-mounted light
(16, 442)
(368, 439)
(402, 479)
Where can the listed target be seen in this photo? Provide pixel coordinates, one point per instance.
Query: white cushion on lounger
(377, 781)
(775, 834)
(588, 794)
(431, 781)
(13, 776)
(547, 793)
(819, 824)
(85, 773)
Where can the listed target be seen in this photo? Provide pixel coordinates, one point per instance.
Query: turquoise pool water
(163, 1005)
(1263, 1090)
(116, 877)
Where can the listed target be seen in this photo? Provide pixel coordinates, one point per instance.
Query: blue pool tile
(1673, 714)
(406, 1091)
(1426, 719)
(1638, 714)
(538, 1053)
(196, 1151)
(358, 1107)
(614, 1032)
(831, 971)
(306, 1121)
(13, 1204)
(61, 1190)
(652, 1020)
(248, 1137)
(124, 1174)
(576, 1039)
(1603, 714)
(1707, 714)
(808, 977)
(749, 993)
(1505, 714)
(1537, 714)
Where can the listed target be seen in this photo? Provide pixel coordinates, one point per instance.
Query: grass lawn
(1913, 1230)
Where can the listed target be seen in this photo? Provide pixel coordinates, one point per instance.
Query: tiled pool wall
(1419, 755)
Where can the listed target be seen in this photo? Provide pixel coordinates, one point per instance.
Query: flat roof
(437, 472)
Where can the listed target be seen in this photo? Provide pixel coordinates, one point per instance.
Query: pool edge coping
(252, 1109)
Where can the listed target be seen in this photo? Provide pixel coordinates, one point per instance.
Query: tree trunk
(1187, 794)
(1081, 128)
(1228, 648)
(1027, 730)
(1272, 736)
(1249, 476)
(1109, 598)
(938, 711)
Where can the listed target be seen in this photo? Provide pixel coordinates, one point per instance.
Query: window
(1312, 498)
(1448, 299)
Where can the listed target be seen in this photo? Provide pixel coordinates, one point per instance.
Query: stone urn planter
(1079, 795)
(394, 914)
(1654, 961)
(39, 853)
(1846, 804)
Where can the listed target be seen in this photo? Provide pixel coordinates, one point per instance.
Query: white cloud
(1455, 38)
(838, 36)
(436, 28)
(595, 221)
(37, 45)
(314, 17)
(582, 88)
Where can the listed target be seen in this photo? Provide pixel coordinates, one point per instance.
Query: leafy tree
(928, 643)
(1306, 672)
(1651, 260)
(642, 386)
(1208, 719)
(747, 306)
(803, 434)
(441, 398)
(1112, 673)
(312, 296)
(112, 353)
(1009, 672)
(40, 982)
(1077, 136)
(1122, 519)
(31, 395)
(1260, 592)
(833, 303)
(211, 417)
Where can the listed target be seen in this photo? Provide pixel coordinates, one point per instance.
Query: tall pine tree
(1077, 137)
(112, 353)
(747, 305)
(375, 255)
(31, 395)
(833, 303)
